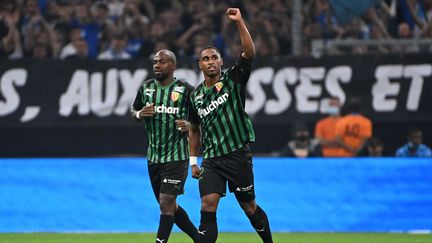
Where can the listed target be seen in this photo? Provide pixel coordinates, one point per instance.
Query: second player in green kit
(162, 103)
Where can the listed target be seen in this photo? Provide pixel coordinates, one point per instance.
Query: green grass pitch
(223, 238)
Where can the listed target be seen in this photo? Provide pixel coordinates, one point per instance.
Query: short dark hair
(413, 130)
(169, 53)
(299, 127)
(210, 47)
(375, 142)
(354, 104)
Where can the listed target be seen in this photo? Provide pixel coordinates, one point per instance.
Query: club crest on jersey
(219, 86)
(175, 96)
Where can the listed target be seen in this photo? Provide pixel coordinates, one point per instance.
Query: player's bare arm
(194, 144)
(245, 37)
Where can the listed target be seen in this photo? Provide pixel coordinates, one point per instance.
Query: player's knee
(167, 204)
(209, 203)
(249, 207)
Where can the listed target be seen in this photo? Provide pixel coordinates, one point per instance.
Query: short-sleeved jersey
(165, 142)
(220, 110)
(326, 129)
(352, 130)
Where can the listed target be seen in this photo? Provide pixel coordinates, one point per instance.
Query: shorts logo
(175, 96)
(244, 189)
(219, 86)
(171, 181)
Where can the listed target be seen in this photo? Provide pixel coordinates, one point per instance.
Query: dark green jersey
(165, 142)
(220, 111)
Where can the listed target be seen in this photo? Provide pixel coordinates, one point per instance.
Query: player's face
(210, 62)
(163, 66)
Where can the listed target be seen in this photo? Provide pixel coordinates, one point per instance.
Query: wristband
(193, 160)
(137, 115)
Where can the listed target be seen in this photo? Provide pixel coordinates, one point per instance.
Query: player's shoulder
(148, 82)
(198, 89)
(182, 82)
(183, 87)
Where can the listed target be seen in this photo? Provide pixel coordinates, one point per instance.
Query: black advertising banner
(394, 89)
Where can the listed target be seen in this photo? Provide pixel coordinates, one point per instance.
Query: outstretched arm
(245, 37)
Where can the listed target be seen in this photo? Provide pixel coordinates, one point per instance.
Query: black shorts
(168, 178)
(236, 168)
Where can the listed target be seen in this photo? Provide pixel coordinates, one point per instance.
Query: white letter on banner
(130, 84)
(98, 106)
(417, 74)
(282, 78)
(334, 75)
(258, 96)
(11, 78)
(383, 88)
(77, 94)
(307, 89)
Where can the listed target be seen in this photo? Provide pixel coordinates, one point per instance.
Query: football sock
(208, 229)
(165, 226)
(260, 222)
(182, 220)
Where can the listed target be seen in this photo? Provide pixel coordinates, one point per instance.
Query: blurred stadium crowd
(114, 29)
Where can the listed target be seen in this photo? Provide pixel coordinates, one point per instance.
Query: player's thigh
(239, 171)
(173, 178)
(154, 171)
(210, 180)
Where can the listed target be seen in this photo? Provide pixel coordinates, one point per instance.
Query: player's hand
(182, 125)
(234, 14)
(147, 111)
(195, 171)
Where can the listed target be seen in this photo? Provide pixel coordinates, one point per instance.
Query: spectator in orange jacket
(353, 130)
(325, 129)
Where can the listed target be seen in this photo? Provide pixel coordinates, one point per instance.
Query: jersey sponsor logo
(179, 89)
(166, 109)
(219, 86)
(202, 112)
(149, 92)
(175, 96)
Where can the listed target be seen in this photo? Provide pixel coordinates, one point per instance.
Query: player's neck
(211, 81)
(166, 82)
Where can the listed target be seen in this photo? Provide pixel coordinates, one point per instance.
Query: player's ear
(199, 65)
(221, 61)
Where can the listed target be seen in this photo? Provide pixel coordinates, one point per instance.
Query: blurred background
(70, 70)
